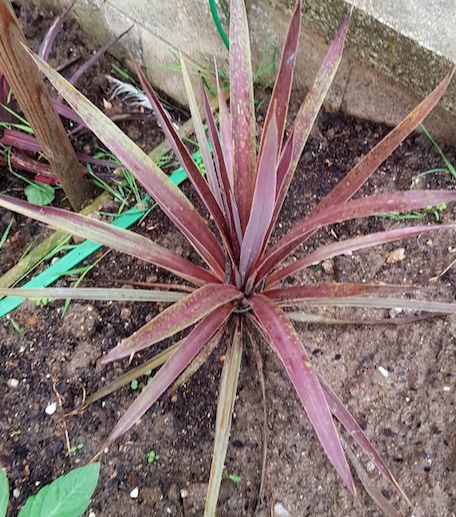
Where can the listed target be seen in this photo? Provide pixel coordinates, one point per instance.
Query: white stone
(383, 371)
(12, 383)
(51, 409)
(134, 493)
(281, 511)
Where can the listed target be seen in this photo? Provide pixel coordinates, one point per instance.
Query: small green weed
(152, 456)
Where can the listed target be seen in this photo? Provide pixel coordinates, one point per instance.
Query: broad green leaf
(39, 194)
(67, 496)
(4, 493)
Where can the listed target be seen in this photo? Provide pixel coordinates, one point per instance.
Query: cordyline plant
(237, 291)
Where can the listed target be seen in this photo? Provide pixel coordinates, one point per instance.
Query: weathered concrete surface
(397, 50)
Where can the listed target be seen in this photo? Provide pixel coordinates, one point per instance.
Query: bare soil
(409, 414)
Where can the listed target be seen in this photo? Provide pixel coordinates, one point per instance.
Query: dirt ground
(408, 411)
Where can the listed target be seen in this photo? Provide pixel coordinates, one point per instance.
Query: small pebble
(397, 255)
(92, 514)
(134, 493)
(51, 409)
(383, 371)
(16, 493)
(12, 383)
(280, 510)
(446, 388)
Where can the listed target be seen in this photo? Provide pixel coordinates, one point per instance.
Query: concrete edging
(388, 65)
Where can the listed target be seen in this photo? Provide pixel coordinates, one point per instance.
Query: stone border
(382, 76)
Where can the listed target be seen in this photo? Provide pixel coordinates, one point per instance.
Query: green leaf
(39, 194)
(4, 493)
(67, 496)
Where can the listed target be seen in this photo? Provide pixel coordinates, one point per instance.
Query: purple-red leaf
(285, 341)
(311, 106)
(286, 296)
(184, 156)
(351, 425)
(278, 105)
(263, 202)
(108, 235)
(175, 318)
(170, 198)
(201, 135)
(349, 245)
(169, 372)
(364, 169)
(242, 111)
(222, 177)
(225, 130)
(364, 207)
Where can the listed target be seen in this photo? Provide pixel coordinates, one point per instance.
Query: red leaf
(278, 105)
(169, 372)
(108, 235)
(286, 296)
(263, 203)
(175, 318)
(242, 111)
(286, 343)
(349, 245)
(364, 169)
(364, 207)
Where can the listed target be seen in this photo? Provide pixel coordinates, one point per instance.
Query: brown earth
(409, 415)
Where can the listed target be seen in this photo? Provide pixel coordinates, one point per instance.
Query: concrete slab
(397, 50)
